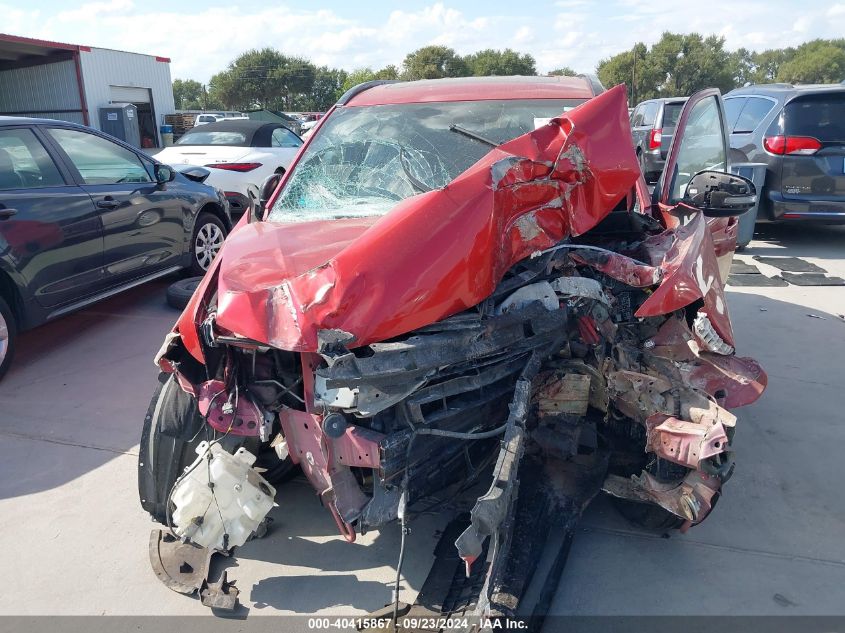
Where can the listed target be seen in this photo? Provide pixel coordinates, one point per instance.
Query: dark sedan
(84, 216)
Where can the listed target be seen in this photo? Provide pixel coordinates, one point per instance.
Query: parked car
(205, 119)
(456, 273)
(239, 153)
(652, 126)
(84, 216)
(799, 133)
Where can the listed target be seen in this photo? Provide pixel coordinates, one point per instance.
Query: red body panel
(434, 254)
(690, 272)
(468, 89)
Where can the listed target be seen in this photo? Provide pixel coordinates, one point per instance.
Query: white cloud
(574, 33)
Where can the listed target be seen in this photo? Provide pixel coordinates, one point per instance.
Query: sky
(202, 37)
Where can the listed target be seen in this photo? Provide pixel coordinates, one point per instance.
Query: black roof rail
(594, 82)
(354, 91)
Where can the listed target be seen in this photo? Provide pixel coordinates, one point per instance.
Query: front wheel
(208, 237)
(8, 336)
(173, 428)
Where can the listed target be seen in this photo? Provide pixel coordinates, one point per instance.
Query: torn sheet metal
(282, 283)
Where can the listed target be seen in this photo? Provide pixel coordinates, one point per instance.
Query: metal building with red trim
(71, 82)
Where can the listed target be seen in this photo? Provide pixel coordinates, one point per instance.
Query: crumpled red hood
(434, 254)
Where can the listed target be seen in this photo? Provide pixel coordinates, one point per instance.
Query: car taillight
(235, 166)
(796, 145)
(654, 139)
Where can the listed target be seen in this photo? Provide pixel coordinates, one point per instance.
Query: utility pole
(634, 80)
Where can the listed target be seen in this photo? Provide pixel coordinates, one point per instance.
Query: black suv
(799, 132)
(83, 216)
(652, 126)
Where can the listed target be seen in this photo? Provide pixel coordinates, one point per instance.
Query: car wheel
(209, 234)
(173, 428)
(172, 431)
(8, 336)
(180, 292)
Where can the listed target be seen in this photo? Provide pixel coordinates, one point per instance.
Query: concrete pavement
(70, 415)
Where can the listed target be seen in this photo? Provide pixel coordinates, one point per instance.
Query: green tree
(566, 71)
(187, 94)
(818, 61)
(224, 89)
(633, 69)
(434, 62)
(677, 65)
(501, 63)
(297, 76)
(361, 75)
(358, 76)
(388, 72)
(264, 79)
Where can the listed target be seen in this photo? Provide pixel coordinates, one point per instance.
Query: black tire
(180, 292)
(8, 336)
(173, 428)
(207, 229)
(172, 431)
(647, 516)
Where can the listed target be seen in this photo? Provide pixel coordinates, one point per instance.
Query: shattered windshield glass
(365, 160)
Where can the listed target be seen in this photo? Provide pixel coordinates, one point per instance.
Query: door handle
(7, 213)
(108, 204)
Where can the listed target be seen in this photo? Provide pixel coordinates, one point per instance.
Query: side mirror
(720, 195)
(164, 174)
(267, 188)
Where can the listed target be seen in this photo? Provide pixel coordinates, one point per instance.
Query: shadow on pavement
(83, 381)
(309, 594)
(823, 241)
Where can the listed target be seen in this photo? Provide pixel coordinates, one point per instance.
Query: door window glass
(733, 108)
(752, 114)
(283, 137)
(650, 113)
(702, 146)
(671, 112)
(637, 117)
(98, 160)
(25, 163)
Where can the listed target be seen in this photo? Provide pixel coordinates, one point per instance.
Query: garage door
(124, 94)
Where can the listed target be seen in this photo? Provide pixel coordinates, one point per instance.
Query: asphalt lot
(76, 538)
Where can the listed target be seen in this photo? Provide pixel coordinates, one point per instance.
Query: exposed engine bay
(556, 356)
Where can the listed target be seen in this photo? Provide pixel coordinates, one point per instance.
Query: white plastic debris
(708, 337)
(221, 499)
(541, 291)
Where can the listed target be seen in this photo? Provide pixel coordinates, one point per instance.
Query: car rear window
(218, 137)
(671, 112)
(821, 116)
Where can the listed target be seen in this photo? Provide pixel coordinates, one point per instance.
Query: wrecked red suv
(454, 275)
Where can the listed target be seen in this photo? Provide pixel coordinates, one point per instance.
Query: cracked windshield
(365, 160)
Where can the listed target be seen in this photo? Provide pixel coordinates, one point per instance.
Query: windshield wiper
(473, 135)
